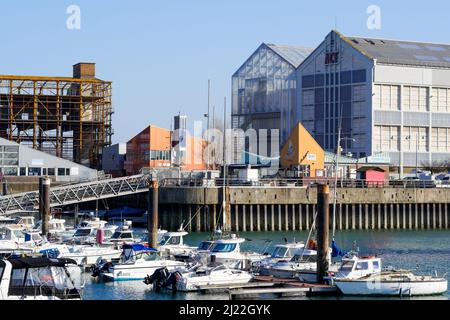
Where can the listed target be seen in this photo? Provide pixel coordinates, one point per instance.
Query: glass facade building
(264, 94)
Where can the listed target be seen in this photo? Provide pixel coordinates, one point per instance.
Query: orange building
(301, 151)
(148, 149)
(152, 148)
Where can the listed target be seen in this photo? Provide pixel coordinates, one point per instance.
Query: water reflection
(426, 251)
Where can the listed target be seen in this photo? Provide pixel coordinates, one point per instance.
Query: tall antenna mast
(207, 124)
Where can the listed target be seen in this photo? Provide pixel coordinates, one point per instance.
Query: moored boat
(363, 276)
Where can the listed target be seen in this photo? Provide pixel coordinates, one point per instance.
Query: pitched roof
(402, 52)
(292, 54)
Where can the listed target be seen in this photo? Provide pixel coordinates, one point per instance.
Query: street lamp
(417, 151)
(338, 152)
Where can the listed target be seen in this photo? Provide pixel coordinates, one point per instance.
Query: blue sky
(160, 54)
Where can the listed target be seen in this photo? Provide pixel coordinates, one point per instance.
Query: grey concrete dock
(292, 208)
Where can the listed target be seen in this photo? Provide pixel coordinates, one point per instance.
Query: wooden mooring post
(152, 215)
(323, 225)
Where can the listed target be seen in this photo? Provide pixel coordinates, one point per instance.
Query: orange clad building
(151, 148)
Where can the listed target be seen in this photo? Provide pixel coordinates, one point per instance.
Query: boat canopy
(39, 262)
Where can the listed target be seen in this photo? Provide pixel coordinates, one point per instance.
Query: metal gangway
(76, 193)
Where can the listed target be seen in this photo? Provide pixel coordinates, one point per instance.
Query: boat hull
(391, 288)
(127, 272)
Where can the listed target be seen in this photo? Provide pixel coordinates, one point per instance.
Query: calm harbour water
(426, 252)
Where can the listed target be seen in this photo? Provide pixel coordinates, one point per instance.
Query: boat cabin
(173, 239)
(37, 278)
(94, 223)
(12, 232)
(122, 235)
(227, 245)
(136, 251)
(54, 226)
(287, 250)
(353, 266)
(205, 245)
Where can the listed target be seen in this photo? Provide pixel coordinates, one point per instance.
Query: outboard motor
(172, 280)
(158, 278)
(99, 267)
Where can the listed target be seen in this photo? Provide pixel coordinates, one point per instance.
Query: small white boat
(281, 253)
(40, 279)
(198, 277)
(136, 262)
(302, 266)
(363, 276)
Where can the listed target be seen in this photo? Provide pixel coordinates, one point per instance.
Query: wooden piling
(44, 203)
(152, 215)
(323, 224)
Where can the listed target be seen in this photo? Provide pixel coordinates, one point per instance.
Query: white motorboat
(281, 253)
(220, 275)
(363, 276)
(40, 279)
(302, 266)
(227, 251)
(198, 277)
(136, 262)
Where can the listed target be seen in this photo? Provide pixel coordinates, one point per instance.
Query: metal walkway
(76, 193)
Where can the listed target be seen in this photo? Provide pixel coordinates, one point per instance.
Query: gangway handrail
(76, 193)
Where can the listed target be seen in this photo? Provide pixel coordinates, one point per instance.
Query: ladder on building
(76, 193)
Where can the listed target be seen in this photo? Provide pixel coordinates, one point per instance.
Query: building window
(23, 171)
(61, 171)
(308, 81)
(346, 77)
(34, 171)
(51, 171)
(67, 172)
(9, 171)
(359, 76)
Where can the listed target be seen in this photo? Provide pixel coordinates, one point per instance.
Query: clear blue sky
(160, 54)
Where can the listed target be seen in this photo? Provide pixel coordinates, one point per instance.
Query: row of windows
(344, 77)
(157, 155)
(34, 171)
(387, 97)
(387, 138)
(346, 93)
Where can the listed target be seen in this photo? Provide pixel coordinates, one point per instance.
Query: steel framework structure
(66, 117)
(77, 193)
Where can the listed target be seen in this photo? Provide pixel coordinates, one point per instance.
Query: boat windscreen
(279, 252)
(224, 247)
(82, 233)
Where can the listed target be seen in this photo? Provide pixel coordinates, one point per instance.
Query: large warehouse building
(386, 96)
(264, 93)
(69, 117)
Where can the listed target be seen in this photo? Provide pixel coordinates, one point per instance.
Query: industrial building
(149, 148)
(17, 160)
(113, 159)
(69, 117)
(386, 96)
(155, 147)
(264, 94)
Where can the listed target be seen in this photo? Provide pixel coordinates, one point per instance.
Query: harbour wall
(293, 208)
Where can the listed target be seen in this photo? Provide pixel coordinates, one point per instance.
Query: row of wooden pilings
(297, 217)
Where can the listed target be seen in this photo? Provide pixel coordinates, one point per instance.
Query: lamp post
(417, 151)
(338, 153)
